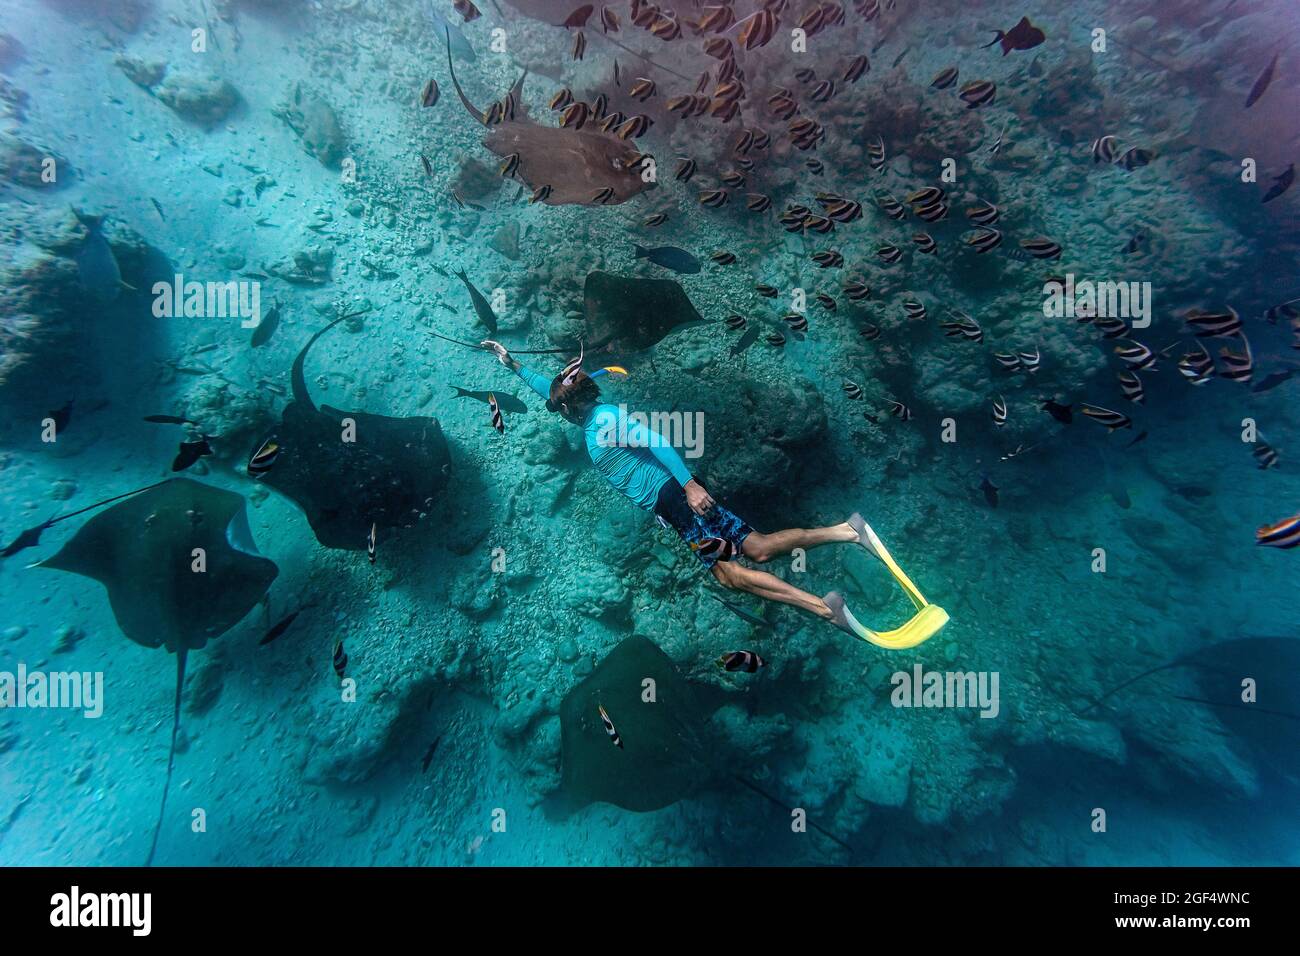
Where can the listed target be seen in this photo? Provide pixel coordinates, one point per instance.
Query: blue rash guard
(634, 459)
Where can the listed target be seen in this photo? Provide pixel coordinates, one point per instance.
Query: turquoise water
(287, 154)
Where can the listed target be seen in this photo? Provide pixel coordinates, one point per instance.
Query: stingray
(631, 313)
(1268, 725)
(388, 477)
(143, 551)
(577, 164)
(621, 314)
(660, 757)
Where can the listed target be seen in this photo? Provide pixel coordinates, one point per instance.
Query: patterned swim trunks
(727, 529)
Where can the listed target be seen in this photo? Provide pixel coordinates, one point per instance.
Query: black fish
(746, 340)
(481, 307)
(266, 327)
(740, 612)
(1062, 413)
(428, 756)
(340, 660)
(1262, 83)
(990, 491)
(1192, 492)
(278, 629)
(1281, 184)
(1023, 36)
(1273, 380)
(505, 402)
(190, 452)
(670, 257)
(158, 208)
(744, 661)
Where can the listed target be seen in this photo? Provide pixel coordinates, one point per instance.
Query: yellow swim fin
(928, 620)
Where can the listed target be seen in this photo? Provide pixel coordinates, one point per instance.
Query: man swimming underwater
(645, 467)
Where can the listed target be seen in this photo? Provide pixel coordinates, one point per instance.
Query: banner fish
(746, 662)
(614, 738)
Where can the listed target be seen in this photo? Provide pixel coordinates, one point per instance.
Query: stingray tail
(773, 800)
(473, 110)
(171, 754)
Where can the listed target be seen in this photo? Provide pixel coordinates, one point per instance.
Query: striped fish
(495, 411)
(1284, 534)
(614, 738)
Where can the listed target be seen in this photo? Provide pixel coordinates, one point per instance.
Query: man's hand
(502, 353)
(699, 499)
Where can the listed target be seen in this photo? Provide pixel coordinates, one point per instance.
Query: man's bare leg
(764, 547)
(769, 587)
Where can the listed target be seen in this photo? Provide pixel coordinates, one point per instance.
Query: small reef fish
(429, 95)
(494, 411)
(670, 257)
(900, 411)
(718, 548)
(266, 327)
(740, 612)
(745, 662)
(1023, 36)
(944, 78)
(1207, 325)
(505, 401)
(371, 542)
(1265, 455)
(466, 9)
(1284, 534)
(340, 660)
(1131, 387)
(1113, 420)
(260, 462)
(978, 93)
(999, 411)
(1041, 248)
(1103, 149)
(745, 341)
(579, 17)
(984, 240)
(1273, 379)
(610, 729)
(190, 452)
(853, 390)
(481, 307)
(1281, 184)
(97, 267)
(1262, 82)
(279, 628)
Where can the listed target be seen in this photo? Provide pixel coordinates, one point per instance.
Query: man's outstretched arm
(538, 383)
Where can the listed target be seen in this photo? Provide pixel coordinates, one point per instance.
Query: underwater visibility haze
(713, 432)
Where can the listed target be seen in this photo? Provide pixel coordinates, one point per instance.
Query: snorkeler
(643, 465)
